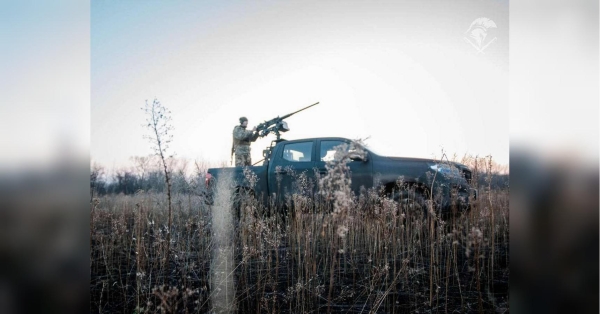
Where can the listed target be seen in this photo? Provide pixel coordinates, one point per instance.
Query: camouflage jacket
(243, 137)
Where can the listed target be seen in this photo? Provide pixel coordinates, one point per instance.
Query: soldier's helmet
(242, 119)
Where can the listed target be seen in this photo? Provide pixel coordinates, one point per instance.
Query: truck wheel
(413, 202)
(240, 194)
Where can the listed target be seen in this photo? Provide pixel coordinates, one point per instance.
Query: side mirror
(356, 156)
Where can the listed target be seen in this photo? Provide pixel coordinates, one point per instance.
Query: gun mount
(277, 125)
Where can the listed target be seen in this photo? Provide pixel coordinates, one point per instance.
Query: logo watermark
(477, 34)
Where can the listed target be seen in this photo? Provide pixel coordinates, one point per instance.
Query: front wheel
(412, 201)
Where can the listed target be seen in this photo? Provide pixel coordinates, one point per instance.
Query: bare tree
(96, 173)
(158, 121)
(142, 164)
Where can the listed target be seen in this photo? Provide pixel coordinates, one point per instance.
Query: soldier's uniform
(241, 145)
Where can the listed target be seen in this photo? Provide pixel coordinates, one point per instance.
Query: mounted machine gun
(276, 125)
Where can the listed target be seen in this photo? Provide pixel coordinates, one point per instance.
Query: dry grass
(351, 254)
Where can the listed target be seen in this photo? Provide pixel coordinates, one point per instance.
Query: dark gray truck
(446, 182)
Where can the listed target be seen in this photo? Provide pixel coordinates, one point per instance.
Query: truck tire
(412, 201)
(239, 195)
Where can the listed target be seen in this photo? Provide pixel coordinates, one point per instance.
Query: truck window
(328, 149)
(298, 152)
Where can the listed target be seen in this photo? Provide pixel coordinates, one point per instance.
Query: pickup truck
(284, 160)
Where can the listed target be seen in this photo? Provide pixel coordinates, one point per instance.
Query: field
(359, 254)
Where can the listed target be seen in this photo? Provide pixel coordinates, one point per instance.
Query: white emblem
(477, 33)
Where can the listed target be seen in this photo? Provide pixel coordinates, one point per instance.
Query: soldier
(241, 143)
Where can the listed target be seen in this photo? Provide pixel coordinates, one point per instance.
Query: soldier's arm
(242, 135)
(248, 135)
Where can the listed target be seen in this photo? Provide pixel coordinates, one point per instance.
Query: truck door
(292, 170)
(361, 171)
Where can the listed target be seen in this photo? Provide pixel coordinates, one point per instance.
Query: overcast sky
(402, 74)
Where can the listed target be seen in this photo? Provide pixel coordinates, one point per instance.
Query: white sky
(399, 73)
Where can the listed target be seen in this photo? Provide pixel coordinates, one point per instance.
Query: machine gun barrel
(277, 124)
(295, 112)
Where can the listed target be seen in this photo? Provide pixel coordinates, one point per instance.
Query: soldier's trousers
(243, 160)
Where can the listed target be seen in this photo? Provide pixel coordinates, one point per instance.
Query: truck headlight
(446, 170)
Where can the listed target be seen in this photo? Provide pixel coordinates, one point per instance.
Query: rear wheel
(241, 197)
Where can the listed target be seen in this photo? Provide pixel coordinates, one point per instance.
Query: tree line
(146, 176)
